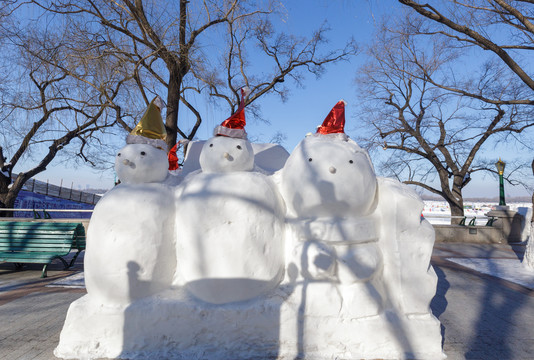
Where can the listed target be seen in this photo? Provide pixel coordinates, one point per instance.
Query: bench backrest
(41, 237)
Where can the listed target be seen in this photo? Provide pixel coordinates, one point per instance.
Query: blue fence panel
(31, 200)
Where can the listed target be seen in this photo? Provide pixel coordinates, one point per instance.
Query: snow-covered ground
(508, 269)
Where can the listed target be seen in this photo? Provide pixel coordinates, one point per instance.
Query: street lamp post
(509, 220)
(500, 168)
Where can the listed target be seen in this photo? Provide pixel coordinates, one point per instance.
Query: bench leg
(44, 274)
(74, 258)
(65, 264)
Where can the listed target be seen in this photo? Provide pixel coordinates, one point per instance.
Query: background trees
(165, 45)
(504, 28)
(78, 70)
(434, 97)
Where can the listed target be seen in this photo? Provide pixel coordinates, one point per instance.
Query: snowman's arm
(406, 241)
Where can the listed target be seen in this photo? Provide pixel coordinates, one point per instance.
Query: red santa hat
(334, 122)
(234, 126)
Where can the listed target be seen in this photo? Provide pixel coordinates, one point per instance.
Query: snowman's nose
(332, 170)
(228, 156)
(128, 163)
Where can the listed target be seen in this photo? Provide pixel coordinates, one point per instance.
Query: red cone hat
(334, 122)
(234, 126)
(173, 158)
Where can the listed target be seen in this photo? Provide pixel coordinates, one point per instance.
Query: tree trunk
(4, 186)
(456, 200)
(173, 104)
(178, 68)
(7, 198)
(457, 209)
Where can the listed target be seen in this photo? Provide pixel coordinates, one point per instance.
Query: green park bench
(40, 242)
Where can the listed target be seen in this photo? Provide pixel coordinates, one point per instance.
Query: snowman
(130, 251)
(329, 187)
(229, 221)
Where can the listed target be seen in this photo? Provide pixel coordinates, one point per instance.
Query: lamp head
(500, 166)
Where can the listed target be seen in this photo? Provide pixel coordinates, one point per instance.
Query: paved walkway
(483, 317)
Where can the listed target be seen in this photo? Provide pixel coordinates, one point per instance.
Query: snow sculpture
(528, 259)
(358, 251)
(130, 249)
(529, 253)
(329, 187)
(322, 260)
(229, 222)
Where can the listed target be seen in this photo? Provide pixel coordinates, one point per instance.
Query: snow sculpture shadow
(501, 309)
(439, 302)
(130, 332)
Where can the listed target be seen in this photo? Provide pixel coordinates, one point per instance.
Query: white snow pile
(511, 270)
(76, 281)
(251, 253)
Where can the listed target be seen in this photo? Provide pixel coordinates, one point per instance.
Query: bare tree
(78, 70)
(164, 42)
(51, 99)
(503, 28)
(432, 131)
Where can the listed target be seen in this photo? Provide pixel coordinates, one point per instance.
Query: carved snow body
(229, 224)
(329, 187)
(130, 246)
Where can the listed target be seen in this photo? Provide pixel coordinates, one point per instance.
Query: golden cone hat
(150, 129)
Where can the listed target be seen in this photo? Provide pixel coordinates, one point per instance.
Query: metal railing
(467, 219)
(44, 188)
(44, 214)
(50, 210)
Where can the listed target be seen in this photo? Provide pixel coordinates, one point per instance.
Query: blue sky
(307, 106)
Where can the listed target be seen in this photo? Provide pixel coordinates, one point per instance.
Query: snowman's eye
(119, 154)
(239, 147)
(211, 145)
(350, 161)
(143, 153)
(310, 159)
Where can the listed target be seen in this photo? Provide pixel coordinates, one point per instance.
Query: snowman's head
(141, 163)
(328, 176)
(225, 154)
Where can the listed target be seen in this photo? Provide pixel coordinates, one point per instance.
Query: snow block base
(174, 325)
